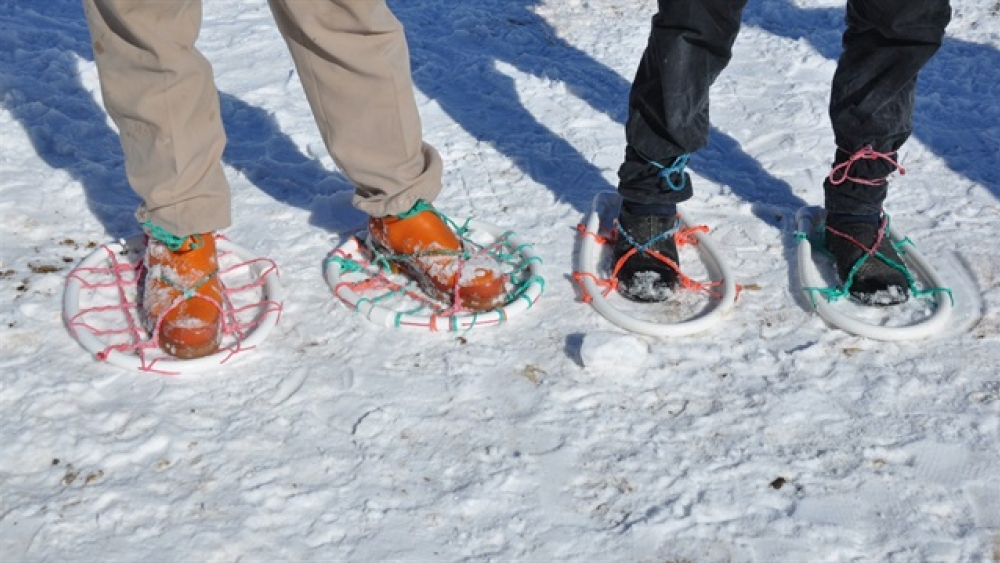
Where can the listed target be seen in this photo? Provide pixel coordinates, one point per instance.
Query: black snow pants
(885, 45)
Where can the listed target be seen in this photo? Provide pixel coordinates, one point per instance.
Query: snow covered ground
(772, 438)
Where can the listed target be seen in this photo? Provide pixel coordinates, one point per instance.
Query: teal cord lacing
(832, 294)
(676, 167)
(500, 250)
(643, 248)
(190, 292)
(172, 241)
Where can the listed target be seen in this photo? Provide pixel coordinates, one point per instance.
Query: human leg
(690, 43)
(159, 91)
(886, 44)
(353, 61)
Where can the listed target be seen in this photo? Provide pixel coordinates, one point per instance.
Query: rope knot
(840, 173)
(676, 168)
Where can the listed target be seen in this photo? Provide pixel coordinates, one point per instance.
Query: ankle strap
(172, 241)
(418, 207)
(840, 173)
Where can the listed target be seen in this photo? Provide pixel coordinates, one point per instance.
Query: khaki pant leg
(159, 90)
(354, 64)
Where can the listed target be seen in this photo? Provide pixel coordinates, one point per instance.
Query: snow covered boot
(642, 243)
(182, 295)
(878, 280)
(433, 255)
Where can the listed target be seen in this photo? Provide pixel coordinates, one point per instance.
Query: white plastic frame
(808, 218)
(169, 365)
(606, 204)
(384, 316)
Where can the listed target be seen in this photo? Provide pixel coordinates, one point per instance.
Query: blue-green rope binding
(398, 318)
(422, 205)
(172, 241)
(644, 248)
(346, 264)
(832, 294)
(384, 260)
(375, 300)
(677, 166)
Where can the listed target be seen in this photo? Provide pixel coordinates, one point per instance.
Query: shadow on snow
(41, 87)
(957, 114)
(455, 46)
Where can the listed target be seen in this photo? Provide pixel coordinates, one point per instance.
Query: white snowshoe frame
(89, 274)
(607, 204)
(809, 219)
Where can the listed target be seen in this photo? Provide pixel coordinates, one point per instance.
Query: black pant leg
(690, 43)
(886, 44)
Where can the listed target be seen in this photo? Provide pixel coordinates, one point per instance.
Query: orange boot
(437, 262)
(191, 328)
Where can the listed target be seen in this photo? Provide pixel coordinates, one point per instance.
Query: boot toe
(476, 279)
(182, 298)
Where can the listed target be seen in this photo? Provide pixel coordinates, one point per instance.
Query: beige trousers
(352, 59)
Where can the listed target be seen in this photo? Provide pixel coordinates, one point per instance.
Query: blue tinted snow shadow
(455, 45)
(40, 86)
(957, 114)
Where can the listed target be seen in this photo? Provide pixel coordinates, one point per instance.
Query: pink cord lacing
(839, 173)
(869, 250)
(122, 278)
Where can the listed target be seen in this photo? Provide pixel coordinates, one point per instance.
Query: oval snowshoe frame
(459, 322)
(272, 292)
(606, 205)
(808, 218)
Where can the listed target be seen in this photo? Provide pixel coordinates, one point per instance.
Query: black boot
(876, 282)
(643, 277)
(854, 192)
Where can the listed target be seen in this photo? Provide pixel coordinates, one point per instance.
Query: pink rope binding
(840, 173)
(121, 323)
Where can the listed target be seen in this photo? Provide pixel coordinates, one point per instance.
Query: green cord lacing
(383, 261)
(677, 166)
(419, 206)
(172, 241)
(422, 205)
(346, 264)
(818, 240)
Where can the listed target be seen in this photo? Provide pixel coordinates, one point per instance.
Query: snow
(771, 438)
(618, 355)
